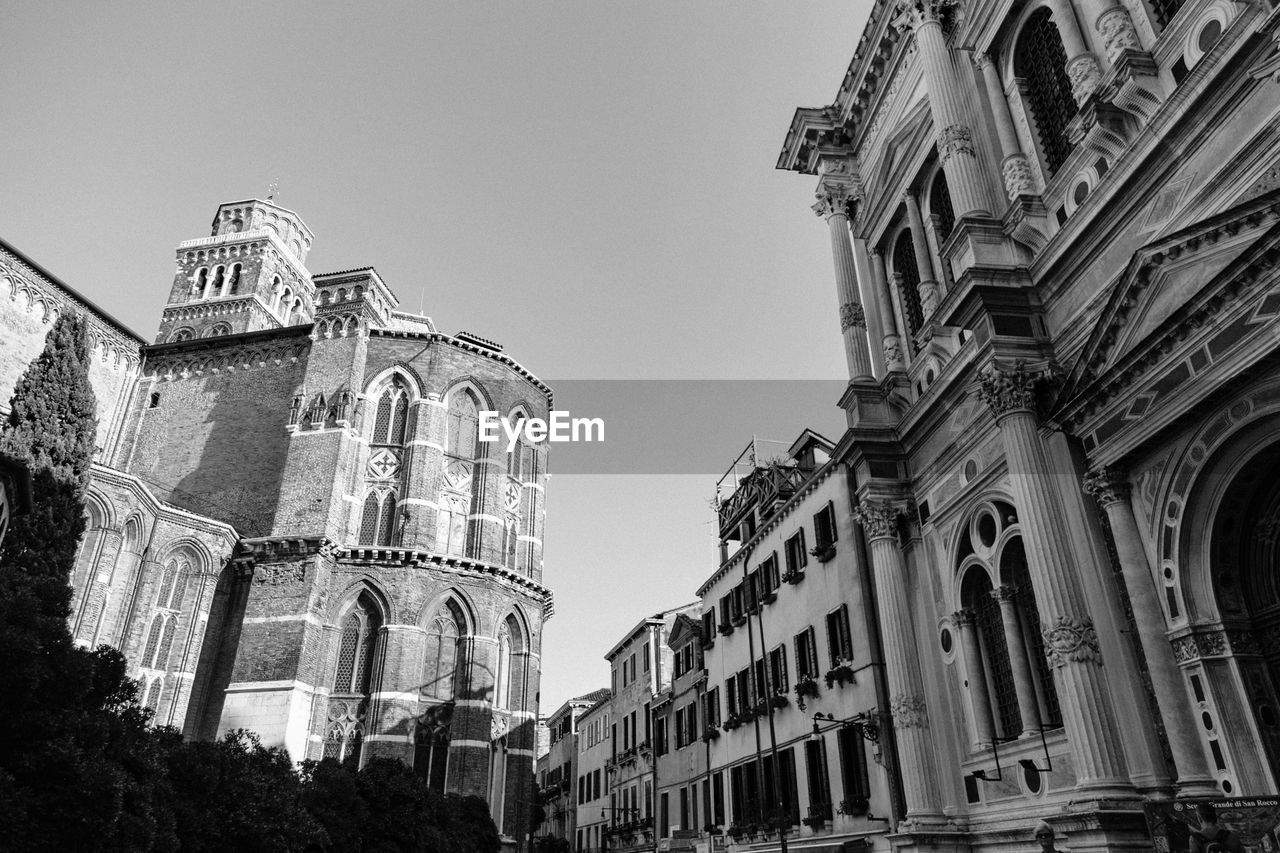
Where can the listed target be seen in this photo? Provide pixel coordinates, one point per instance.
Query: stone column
(833, 203)
(1070, 640)
(1014, 167)
(871, 303)
(928, 287)
(969, 645)
(918, 766)
(1082, 66)
(1111, 489)
(895, 355)
(1023, 681)
(946, 104)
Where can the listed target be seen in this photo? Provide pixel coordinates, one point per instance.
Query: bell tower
(246, 276)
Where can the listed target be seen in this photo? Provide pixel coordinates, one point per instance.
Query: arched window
(202, 282)
(183, 334)
(1008, 673)
(454, 535)
(233, 282)
(379, 519)
(940, 206)
(217, 330)
(502, 669)
(908, 278)
(441, 671)
(277, 292)
(1041, 62)
(431, 753)
(353, 679)
(158, 653)
(216, 286)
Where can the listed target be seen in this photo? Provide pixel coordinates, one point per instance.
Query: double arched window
(379, 516)
(353, 678)
(1010, 686)
(1040, 63)
(461, 474)
(443, 670)
(156, 663)
(508, 676)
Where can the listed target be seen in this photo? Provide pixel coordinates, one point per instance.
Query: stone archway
(1244, 558)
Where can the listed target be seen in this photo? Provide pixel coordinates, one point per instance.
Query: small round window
(1209, 35)
(946, 640)
(987, 529)
(1081, 192)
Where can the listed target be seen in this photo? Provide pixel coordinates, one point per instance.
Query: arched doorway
(1244, 559)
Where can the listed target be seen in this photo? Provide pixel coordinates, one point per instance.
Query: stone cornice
(469, 347)
(168, 512)
(44, 289)
(272, 348)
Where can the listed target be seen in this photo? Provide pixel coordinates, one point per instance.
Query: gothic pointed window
(380, 512)
(502, 671)
(431, 754)
(353, 680)
(441, 670)
(1041, 64)
(161, 652)
(455, 533)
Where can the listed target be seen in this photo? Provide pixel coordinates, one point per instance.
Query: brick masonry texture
(220, 465)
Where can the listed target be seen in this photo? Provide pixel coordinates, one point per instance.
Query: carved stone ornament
(836, 198)
(982, 60)
(498, 726)
(963, 618)
(916, 13)
(893, 352)
(909, 712)
(1107, 486)
(1005, 593)
(1117, 31)
(1085, 76)
(1210, 643)
(928, 291)
(879, 519)
(1009, 391)
(954, 139)
(280, 573)
(851, 316)
(1071, 639)
(1018, 178)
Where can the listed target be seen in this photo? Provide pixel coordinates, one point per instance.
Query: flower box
(793, 577)
(841, 673)
(823, 553)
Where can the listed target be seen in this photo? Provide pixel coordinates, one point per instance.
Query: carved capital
(928, 290)
(982, 61)
(1008, 391)
(954, 139)
(1107, 486)
(1085, 76)
(1005, 593)
(852, 316)
(963, 618)
(1018, 179)
(1071, 639)
(879, 519)
(838, 193)
(909, 712)
(1117, 31)
(913, 14)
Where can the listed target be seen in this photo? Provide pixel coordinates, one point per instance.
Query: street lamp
(862, 722)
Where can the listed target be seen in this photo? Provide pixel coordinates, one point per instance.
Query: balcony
(764, 490)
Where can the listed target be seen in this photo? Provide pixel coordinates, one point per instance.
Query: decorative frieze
(1211, 643)
(1071, 639)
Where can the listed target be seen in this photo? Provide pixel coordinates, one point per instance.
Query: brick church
(293, 527)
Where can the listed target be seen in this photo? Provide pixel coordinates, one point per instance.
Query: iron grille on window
(904, 265)
(991, 630)
(1165, 10)
(1019, 576)
(940, 206)
(1041, 61)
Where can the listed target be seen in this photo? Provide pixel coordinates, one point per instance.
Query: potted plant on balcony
(709, 734)
(806, 688)
(731, 722)
(854, 806)
(841, 674)
(793, 576)
(778, 700)
(738, 831)
(823, 553)
(819, 814)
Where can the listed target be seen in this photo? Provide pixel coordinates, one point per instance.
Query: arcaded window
(461, 473)
(442, 670)
(353, 679)
(907, 276)
(940, 209)
(1041, 63)
(159, 657)
(380, 516)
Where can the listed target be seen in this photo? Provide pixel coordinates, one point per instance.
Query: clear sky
(589, 183)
